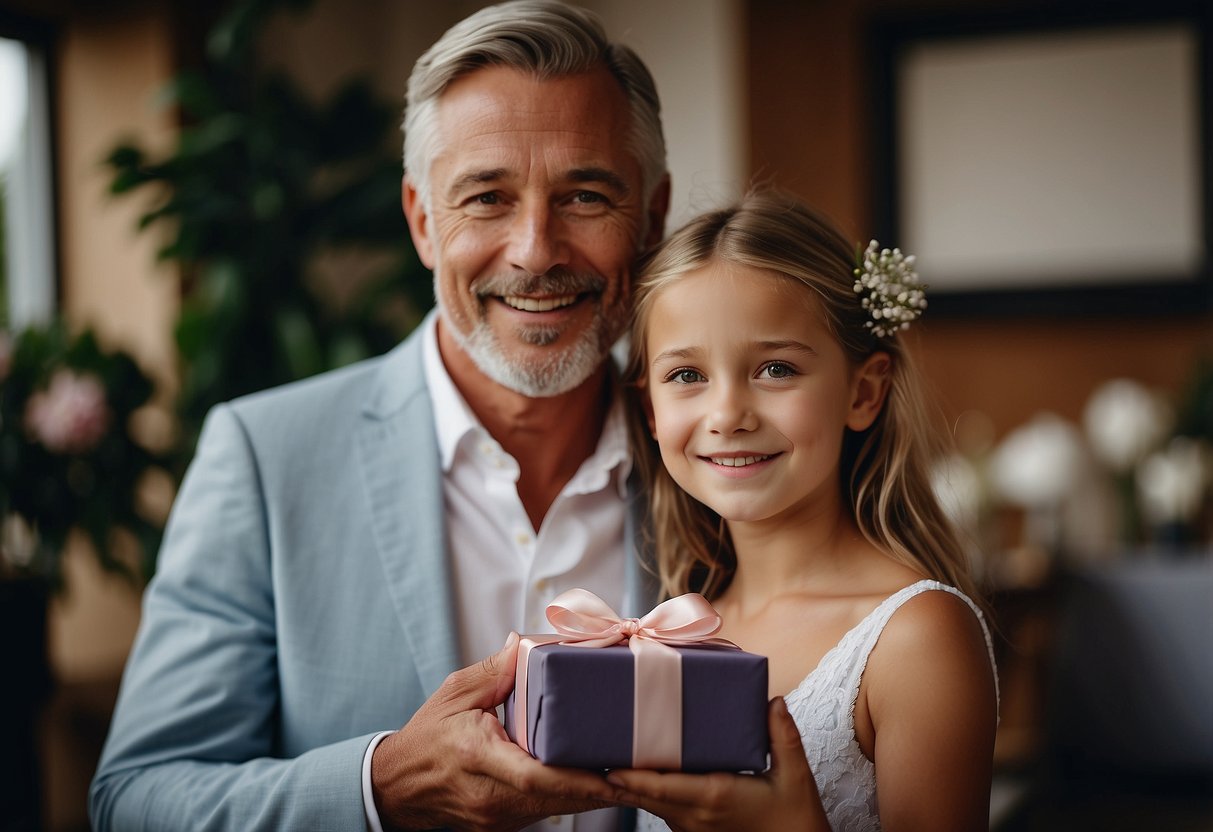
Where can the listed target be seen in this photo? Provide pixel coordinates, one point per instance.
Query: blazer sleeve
(193, 739)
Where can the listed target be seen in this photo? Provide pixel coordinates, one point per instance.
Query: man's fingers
(672, 788)
(509, 764)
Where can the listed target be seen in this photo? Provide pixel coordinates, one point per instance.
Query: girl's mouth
(739, 461)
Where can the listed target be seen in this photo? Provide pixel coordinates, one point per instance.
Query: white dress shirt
(504, 572)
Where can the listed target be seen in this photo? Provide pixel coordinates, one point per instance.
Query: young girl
(794, 494)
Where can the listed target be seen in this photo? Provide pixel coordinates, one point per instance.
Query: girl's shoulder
(929, 616)
(931, 672)
(934, 633)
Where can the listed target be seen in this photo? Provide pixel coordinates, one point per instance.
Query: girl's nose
(537, 241)
(731, 412)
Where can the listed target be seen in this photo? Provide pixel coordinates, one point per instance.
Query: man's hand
(785, 797)
(452, 765)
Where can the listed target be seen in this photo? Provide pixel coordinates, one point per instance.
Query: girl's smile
(740, 466)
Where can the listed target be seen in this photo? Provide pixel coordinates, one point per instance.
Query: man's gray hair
(547, 39)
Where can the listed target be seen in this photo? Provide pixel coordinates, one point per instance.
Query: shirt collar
(454, 420)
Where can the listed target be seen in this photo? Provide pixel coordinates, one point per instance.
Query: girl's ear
(869, 388)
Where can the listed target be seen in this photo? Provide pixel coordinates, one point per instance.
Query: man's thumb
(497, 670)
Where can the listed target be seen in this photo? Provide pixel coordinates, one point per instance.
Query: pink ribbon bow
(582, 619)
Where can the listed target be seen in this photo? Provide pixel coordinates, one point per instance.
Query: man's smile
(529, 304)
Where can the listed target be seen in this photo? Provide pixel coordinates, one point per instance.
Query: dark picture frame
(998, 231)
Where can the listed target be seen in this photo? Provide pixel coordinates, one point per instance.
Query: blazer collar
(399, 456)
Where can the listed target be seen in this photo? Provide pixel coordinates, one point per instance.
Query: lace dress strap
(864, 637)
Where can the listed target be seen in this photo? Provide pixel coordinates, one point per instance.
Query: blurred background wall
(752, 89)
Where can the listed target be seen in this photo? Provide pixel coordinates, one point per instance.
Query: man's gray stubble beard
(562, 370)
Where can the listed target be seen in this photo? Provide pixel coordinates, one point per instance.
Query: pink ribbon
(582, 619)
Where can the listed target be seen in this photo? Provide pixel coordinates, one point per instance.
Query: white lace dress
(823, 707)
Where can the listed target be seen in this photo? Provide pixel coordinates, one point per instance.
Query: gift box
(689, 702)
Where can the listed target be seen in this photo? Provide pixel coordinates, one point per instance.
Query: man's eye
(590, 196)
(487, 199)
(685, 376)
(777, 369)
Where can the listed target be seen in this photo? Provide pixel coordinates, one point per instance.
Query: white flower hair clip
(894, 297)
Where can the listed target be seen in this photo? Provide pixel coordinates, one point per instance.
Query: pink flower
(71, 415)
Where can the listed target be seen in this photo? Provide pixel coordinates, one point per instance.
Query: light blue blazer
(302, 603)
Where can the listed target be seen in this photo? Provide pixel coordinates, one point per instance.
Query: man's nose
(537, 239)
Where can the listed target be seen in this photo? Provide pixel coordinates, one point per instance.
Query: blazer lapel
(399, 456)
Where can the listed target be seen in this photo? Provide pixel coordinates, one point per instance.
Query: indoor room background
(1081, 397)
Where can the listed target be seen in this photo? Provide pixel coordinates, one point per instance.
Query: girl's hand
(784, 797)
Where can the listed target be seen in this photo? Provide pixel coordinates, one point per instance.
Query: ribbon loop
(580, 615)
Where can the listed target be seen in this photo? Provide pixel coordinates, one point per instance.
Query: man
(341, 545)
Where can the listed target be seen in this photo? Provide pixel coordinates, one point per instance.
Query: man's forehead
(470, 175)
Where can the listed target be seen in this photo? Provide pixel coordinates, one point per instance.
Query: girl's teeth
(738, 461)
(539, 304)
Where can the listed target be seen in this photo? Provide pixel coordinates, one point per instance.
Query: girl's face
(750, 393)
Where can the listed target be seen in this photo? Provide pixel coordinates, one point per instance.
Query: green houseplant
(263, 187)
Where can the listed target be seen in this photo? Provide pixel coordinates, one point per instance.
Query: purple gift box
(580, 708)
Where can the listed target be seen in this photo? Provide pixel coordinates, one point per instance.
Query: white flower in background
(71, 415)
(1171, 482)
(1037, 465)
(1124, 421)
(958, 488)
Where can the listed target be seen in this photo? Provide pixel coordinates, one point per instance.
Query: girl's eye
(685, 376)
(777, 369)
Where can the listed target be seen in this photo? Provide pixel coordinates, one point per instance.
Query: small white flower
(71, 415)
(1038, 464)
(894, 294)
(1124, 421)
(1171, 482)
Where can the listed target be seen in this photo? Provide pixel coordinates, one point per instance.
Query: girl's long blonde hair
(885, 470)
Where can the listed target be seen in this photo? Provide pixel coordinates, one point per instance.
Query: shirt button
(541, 585)
(522, 538)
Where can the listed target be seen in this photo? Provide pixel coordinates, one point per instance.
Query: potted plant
(70, 463)
(264, 191)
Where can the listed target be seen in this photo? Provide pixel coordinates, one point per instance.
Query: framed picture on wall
(1049, 163)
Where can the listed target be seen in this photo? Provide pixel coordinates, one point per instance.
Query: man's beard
(558, 370)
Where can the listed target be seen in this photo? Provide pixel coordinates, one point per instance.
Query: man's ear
(869, 389)
(658, 208)
(417, 215)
